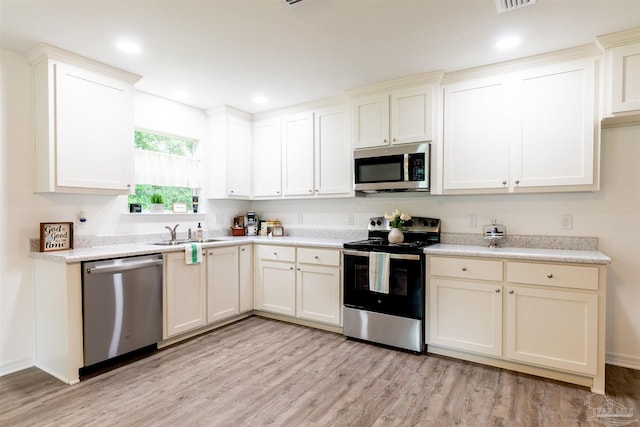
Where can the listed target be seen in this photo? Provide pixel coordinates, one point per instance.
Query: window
(167, 166)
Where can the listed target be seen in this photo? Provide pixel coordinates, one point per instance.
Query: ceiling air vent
(507, 5)
(292, 2)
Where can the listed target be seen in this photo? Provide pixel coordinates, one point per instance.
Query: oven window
(398, 280)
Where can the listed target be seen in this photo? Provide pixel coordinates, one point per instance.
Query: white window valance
(169, 170)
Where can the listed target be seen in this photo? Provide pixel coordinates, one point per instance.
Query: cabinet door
(239, 157)
(626, 78)
(476, 135)
(371, 121)
(94, 130)
(466, 315)
(556, 113)
(297, 141)
(318, 293)
(246, 278)
(557, 329)
(332, 152)
(185, 297)
(276, 287)
(411, 115)
(267, 155)
(223, 290)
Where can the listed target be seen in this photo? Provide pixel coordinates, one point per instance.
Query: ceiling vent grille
(292, 2)
(507, 5)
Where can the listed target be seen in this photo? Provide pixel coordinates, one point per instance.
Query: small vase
(396, 236)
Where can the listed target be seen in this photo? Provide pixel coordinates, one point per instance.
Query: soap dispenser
(199, 233)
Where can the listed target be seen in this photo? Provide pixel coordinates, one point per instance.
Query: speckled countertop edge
(530, 254)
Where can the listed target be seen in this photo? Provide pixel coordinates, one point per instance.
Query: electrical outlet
(473, 221)
(566, 222)
(350, 219)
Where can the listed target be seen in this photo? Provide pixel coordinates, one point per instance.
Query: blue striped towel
(379, 272)
(192, 253)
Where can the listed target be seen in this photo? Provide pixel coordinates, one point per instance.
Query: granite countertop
(133, 249)
(531, 254)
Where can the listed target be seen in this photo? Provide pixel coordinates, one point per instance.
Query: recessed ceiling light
(260, 99)
(508, 42)
(129, 46)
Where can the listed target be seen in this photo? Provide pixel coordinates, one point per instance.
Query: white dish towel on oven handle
(379, 272)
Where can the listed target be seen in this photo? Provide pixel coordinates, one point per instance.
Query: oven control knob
(379, 222)
(373, 223)
(434, 223)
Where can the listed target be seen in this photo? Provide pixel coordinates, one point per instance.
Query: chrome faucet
(172, 231)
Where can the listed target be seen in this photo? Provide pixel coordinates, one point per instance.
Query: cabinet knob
(394, 140)
(316, 257)
(290, 268)
(464, 268)
(549, 276)
(310, 191)
(128, 185)
(497, 291)
(385, 140)
(230, 191)
(517, 181)
(504, 182)
(277, 192)
(298, 269)
(511, 291)
(275, 253)
(243, 249)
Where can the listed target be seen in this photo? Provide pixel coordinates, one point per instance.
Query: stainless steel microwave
(395, 168)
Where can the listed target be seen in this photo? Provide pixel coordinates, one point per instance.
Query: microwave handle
(406, 167)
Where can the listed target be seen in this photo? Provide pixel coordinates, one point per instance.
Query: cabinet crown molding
(45, 51)
(549, 58)
(434, 77)
(619, 39)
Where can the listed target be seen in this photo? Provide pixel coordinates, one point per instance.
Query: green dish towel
(193, 253)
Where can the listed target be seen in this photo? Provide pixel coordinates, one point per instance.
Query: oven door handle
(392, 256)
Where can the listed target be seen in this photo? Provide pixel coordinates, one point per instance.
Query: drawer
(562, 276)
(277, 253)
(319, 256)
(466, 268)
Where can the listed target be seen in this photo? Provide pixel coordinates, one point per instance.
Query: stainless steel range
(384, 284)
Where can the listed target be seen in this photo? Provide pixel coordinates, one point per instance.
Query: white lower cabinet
(466, 315)
(223, 292)
(309, 289)
(552, 328)
(543, 318)
(185, 295)
(246, 278)
(196, 295)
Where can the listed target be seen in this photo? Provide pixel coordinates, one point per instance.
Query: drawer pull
(511, 291)
(275, 253)
(549, 276)
(464, 268)
(497, 291)
(316, 257)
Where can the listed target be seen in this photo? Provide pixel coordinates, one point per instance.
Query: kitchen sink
(184, 241)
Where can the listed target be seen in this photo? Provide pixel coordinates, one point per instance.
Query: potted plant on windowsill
(157, 204)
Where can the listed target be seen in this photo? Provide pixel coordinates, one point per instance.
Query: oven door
(406, 285)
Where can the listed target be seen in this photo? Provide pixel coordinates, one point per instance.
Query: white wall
(612, 215)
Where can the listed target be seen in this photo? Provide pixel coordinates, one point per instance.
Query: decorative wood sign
(56, 236)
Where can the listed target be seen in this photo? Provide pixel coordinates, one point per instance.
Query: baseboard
(632, 362)
(15, 366)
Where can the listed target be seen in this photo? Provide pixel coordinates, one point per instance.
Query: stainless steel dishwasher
(122, 306)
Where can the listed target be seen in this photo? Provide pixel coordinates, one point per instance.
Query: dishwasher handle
(116, 268)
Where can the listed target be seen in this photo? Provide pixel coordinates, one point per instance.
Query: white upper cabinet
(398, 116)
(332, 152)
(554, 142)
(267, 170)
(84, 132)
(476, 119)
(297, 150)
(530, 130)
(229, 154)
(621, 72)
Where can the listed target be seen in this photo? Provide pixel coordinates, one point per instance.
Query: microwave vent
(507, 5)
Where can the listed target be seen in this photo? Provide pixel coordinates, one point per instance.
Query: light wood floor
(265, 372)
